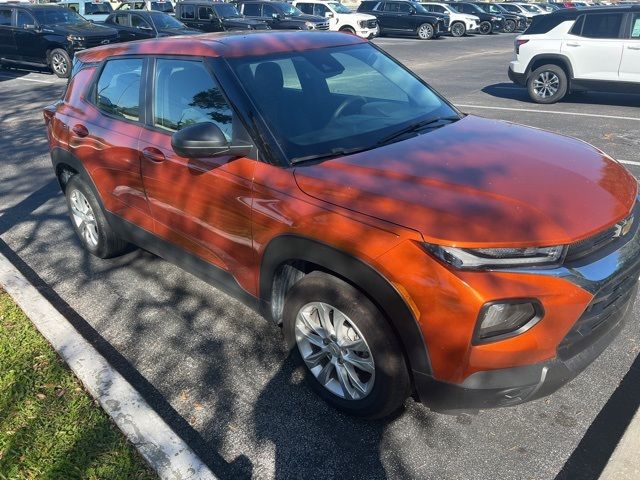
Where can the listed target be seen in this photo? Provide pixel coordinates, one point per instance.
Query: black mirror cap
(205, 140)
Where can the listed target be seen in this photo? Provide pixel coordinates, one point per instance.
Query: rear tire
(547, 84)
(485, 28)
(426, 31)
(60, 63)
(458, 29)
(509, 26)
(90, 222)
(353, 330)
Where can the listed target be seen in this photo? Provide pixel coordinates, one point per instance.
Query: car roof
(224, 44)
(573, 13)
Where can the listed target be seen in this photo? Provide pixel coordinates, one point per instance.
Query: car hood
(307, 18)
(466, 16)
(359, 16)
(81, 29)
(479, 182)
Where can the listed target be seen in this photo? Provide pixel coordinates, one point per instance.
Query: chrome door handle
(633, 47)
(572, 44)
(153, 154)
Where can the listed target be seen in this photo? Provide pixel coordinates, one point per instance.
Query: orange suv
(404, 247)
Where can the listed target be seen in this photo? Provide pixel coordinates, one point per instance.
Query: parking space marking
(629, 162)
(531, 110)
(26, 79)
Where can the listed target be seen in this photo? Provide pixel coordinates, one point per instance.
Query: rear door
(7, 41)
(202, 205)
(630, 65)
(594, 45)
(388, 15)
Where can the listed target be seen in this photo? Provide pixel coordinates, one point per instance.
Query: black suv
(281, 15)
(512, 21)
(215, 16)
(47, 35)
(143, 24)
(489, 22)
(406, 18)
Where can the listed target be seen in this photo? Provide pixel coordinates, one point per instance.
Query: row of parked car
(49, 35)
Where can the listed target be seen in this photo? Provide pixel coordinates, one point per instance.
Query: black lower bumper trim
(519, 78)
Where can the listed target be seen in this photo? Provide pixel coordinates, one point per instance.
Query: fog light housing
(502, 319)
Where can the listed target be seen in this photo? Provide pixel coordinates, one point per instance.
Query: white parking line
(629, 162)
(615, 117)
(26, 79)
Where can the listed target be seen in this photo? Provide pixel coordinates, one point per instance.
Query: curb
(160, 446)
(624, 463)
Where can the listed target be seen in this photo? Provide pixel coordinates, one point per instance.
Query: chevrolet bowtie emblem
(623, 227)
(104, 42)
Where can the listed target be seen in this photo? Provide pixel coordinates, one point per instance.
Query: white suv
(341, 18)
(460, 23)
(576, 50)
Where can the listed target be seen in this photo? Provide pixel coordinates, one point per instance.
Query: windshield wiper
(334, 152)
(415, 127)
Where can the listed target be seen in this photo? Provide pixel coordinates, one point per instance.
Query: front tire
(348, 30)
(351, 356)
(426, 31)
(547, 84)
(60, 63)
(458, 29)
(90, 222)
(509, 26)
(485, 28)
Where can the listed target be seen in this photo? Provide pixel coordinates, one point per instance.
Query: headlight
(485, 258)
(495, 19)
(75, 38)
(363, 23)
(310, 25)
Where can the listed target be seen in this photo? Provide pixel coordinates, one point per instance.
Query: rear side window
(391, 7)
(252, 9)
(122, 20)
(118, 89)
(186, 94)
(603, 25)
(367, 6)
(205, 13)
(188, 12)
(320, 10)
(5, 17)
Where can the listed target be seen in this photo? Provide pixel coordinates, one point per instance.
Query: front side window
(226, 10)
(320, 10)
(357, 94)
(188, 12)
(24, 19)
(404, 8)
(635, 26)
(339, 8)
(118, 89)
(604, 25)
(268, 11)
(205, 13)
(186, 94)
(252, 9)
(305, 8)
(122, 20)
(138, 22)
(5, 17)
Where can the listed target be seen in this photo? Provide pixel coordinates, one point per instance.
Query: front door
(28, 43)
(7, 43)
(141, 28)
(630, 65)
(202, 205)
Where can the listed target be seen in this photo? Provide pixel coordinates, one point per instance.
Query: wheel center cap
(334, 350)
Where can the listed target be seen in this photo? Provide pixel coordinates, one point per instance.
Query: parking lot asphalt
(218, 372)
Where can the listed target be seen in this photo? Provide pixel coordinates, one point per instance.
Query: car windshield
(55, 16)
(162, 20)
(530, 8)
(420, 9)
(289, 10)
(225, 10)
(339, 8)
(91, 8)
(347, 98)
(162, 6)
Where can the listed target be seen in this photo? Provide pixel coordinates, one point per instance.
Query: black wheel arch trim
(550, 56)
(289, 247)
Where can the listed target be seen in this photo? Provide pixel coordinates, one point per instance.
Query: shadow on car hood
(477, 181)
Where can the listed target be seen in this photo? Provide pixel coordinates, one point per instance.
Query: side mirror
(146, 28)
(328, 15)
(412, 12)
(205, 140)
(210, 16)
(30, 27)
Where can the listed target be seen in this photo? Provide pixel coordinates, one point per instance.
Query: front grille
(613, 236)
(322, 26)
(97, 41)
(603, 313)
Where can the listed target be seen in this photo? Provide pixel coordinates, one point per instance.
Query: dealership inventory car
(405, 18)
(94, 10)
(281, 15)
(518, 9)
(47, 35)
(512, 21)
(341, 18)
(143, 24)
(578, 50)
(210, 16)
(404, 247)
(151, 5)
(489, 22)
(459, 23)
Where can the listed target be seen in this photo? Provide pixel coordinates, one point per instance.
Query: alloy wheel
(458, 30)
(485, 28)
(335, 351)
(59, 64)
(509, 26)
(84, 218)
(546, 84)
(425, 32)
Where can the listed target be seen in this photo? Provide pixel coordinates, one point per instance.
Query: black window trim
(91, 92)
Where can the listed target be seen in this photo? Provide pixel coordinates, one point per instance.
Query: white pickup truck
(341, 18)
